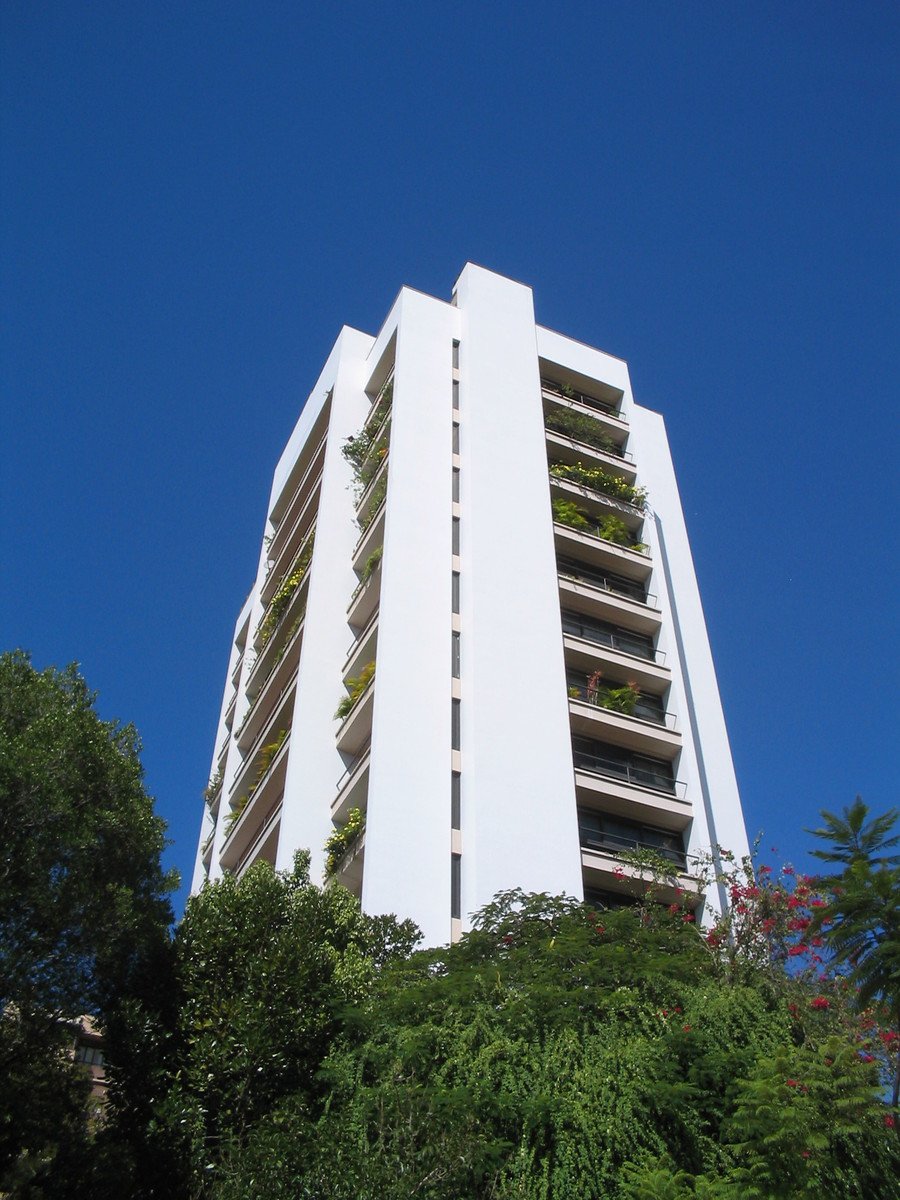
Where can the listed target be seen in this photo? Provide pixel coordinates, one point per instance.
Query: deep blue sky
(195, 197)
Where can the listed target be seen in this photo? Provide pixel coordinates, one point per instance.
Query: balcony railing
(564, 392)
(608, 696)
(600, 759)
(607, 580)
(601, 633)
(612, 843)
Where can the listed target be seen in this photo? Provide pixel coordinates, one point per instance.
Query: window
(455, 886)
(455, 801)
(454, 654)
(454, 725)
(454, 592)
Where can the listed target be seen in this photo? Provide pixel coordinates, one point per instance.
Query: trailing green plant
(280, 602)
(342, 840)
(213, 787)
(599, 480)
(356, 448)
(375, 501)
(233, 816)
(581, 428)
(610, 528)
(370, 566)
(355, 688)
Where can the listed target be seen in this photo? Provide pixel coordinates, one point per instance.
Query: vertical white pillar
(407, 855)
(518, 794)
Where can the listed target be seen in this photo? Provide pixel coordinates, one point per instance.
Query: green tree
(267, 966)
(83, 900)
(860, 922)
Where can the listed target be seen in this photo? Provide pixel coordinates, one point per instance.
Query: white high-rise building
(493, 579)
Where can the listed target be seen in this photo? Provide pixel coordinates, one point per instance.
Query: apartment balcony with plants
(599, 402)
(620, 650)
(250, 829)
(345, 852)
(618, 711)
(613, 847)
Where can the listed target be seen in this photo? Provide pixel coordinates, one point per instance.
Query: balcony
(647, 729)
(586, 545)
(603, 833)
(355, 710)
(370, 538)
(289, 546)
(349, 872)
(259, 848)
(604, 409)
(617, 764)
(588, 648)
(281, 652)
(253, 810)
(352, 788)
(603, 871)
(363, 648)
(581, 502)
(286, 515)
(364, 601)
(284, 609)
(277, 687)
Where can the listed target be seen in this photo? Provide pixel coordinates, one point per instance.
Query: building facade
(475, 553)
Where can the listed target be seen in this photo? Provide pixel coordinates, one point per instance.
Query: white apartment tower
(475, 550)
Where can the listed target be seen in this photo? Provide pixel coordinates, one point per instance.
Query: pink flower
(619, 873)
(867, 1058)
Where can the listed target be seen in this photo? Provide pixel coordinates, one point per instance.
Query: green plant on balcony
(581, 428)
(370, 467)
(213, 787)
(342, 841)
(567, 512)
(236, 809)
(265, 760)
(370, 566)
(356, 448)
(599, 480)
(622, 699)
(280, 602)
(376, 499)
(355, 688)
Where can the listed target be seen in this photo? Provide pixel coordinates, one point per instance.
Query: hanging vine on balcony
(280, 602)
(581, 428)
(342, 841)
(355, 688)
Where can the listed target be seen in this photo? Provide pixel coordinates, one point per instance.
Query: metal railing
(564, 392)
(601, 634)
(612, 843)
(646, 708)
(644, 773)
(607, 580)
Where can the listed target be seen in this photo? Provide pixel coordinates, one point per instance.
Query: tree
(560, 1052)
(267, 967)
(83, 898)
(860, 922)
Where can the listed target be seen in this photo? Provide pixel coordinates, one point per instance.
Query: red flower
(793, 902)
(790, 1083)
(889, 1121)
(804, 1153)
(820, 1002)
(788, 870)
(867, 1058)
(673, 908)
(619, 873)
(687, 916)
(798, 923)
(817, 903)
(765, 870)
(686, 1028)
(795, 950)
(601, 929)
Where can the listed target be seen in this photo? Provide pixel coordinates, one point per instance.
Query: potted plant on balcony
(342, 841)
(355, 688)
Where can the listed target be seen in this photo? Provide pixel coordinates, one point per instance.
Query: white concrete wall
(407, 855)
(706, 764)
(519, 826)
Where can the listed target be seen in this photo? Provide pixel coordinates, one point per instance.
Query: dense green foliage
(83, 902)
(558, 1052)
